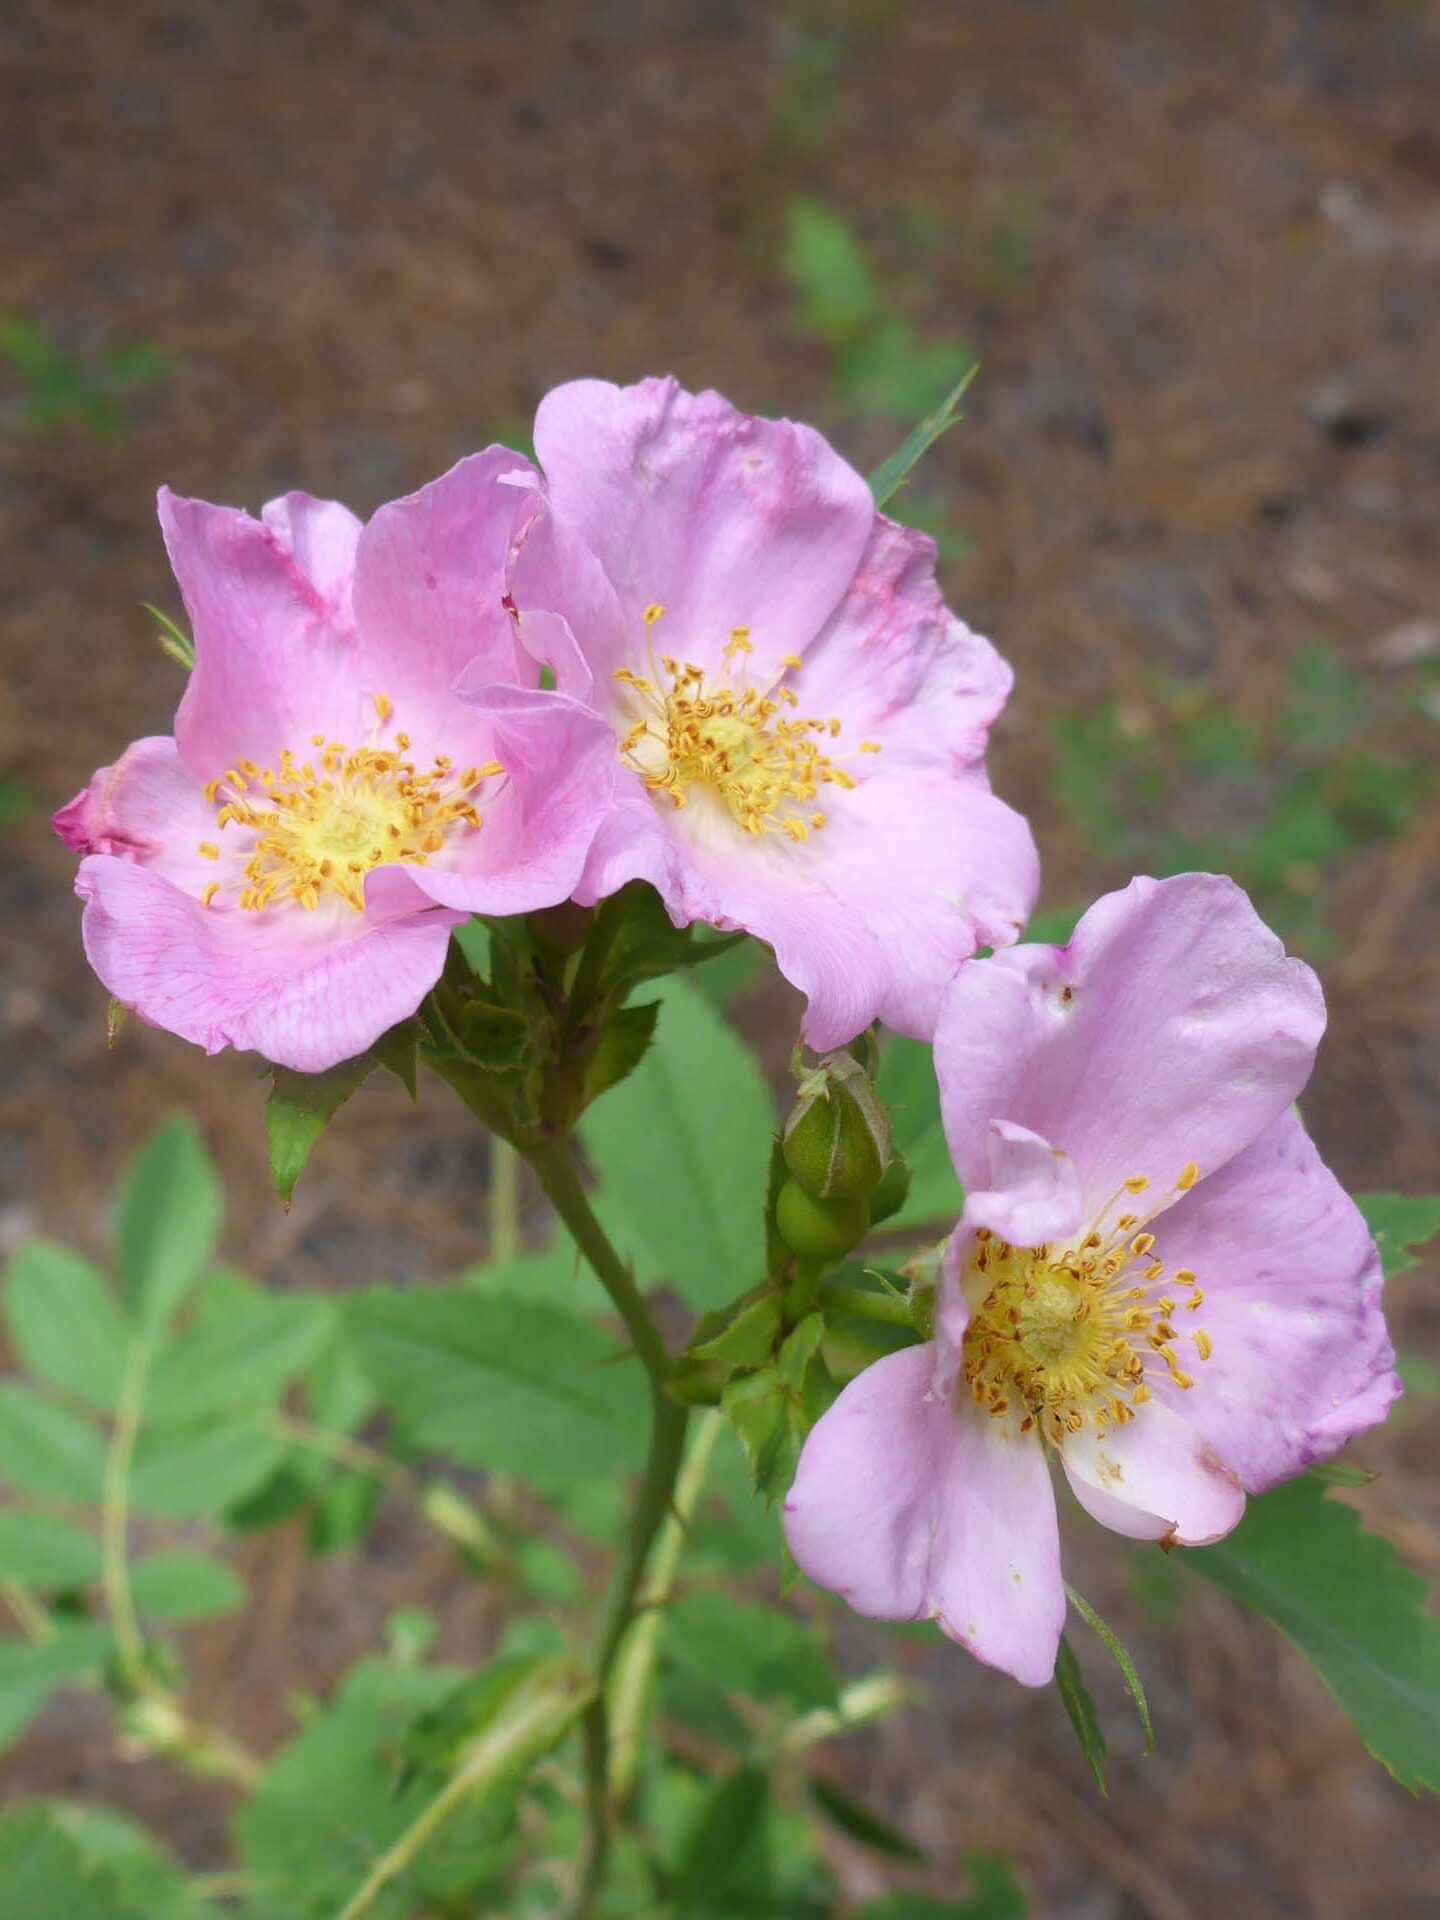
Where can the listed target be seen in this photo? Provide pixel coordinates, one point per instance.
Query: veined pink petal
(724, 520)
(1033, 1193)
(145, 808)
(1170, 1031)
(304, 990)
(1300, 1360)
(274, 650)
(1155, 1479)
(912, 1509)
(559, 771)
(430, 576)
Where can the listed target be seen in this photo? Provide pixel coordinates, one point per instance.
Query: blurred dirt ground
(366, 239)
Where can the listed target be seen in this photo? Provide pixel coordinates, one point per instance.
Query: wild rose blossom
(1155, 1278)
(800, 724)
(284, 872)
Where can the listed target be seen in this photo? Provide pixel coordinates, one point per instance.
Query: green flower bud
(891, 1194)
(820, 1229)
(837, 1140)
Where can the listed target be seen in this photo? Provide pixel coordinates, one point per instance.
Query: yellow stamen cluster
(317, 827)
(765, 763)
(1062, 1337)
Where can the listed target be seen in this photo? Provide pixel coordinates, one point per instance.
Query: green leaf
(1401, 1223)
(623, 1045)
(997, 1896)
(1081, 1709)
(30, 1674)
(65, 1322)
(48, 1553)
(300, 1107)
(1352, 1607)
(198, 1468)
(891, 474)
(774, 1408)
(748, 1338)
(43, 1872)
(499, 1383)
(860, 1822)
(839, 295)
(180, 1584)
(682, 1149)
(725, 1865)
(145, 1876)
(329, 1806)
(440, 1739)
(167, 1223)
(751, 1649)
(1122, 1659)
(46, 1449)
(553, 1276)
(908, 1088)
(242, 1353)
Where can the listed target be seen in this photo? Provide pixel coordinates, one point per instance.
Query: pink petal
(274, 648)
(1301, 1359)
(1033, 1195)
(430, 582)
(895, 664)
(723, 519)
(320, 536)
(1154, 1479)
(540, 818)
(912, 1510)
(304, 990)
(1172, 1029)
(147, 808)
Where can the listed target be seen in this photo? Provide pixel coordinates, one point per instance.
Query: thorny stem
(555, 1165)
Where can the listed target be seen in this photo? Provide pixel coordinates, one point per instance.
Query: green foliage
(1180, 785)
(59, 388)
(1112, 1644)
(29, 1674)
(680, 1150)
(749, 1649)
(300, 1107)
(881, 366)
(1402, 1224)
(180, 1584)
(330, 1805)
(499, 1383)
(1080, 1707)
(997, 1896)
(1356, 1612)
(167, 1224)
(65, 1322)
(774, 1407)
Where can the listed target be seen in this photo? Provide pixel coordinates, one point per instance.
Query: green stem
(803, 1287)
(635, 1667)
(115, 1513)
(535, 1727)
(504, 1199)
(34, 1621)
(555, 1165)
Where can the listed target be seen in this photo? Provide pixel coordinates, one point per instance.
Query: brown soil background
(367, 238)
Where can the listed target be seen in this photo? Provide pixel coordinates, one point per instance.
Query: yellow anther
(210, 892)
(870, 746)
(1204, 1345)
(384, 706)
(791, 660)
(1188, 1177)
(208, 850)
(653, 613)
(1137, 1183)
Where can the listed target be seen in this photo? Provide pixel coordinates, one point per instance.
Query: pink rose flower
(800, 724)
(1155, 1280)
(284, 873)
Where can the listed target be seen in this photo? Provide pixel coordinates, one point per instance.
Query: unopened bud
(837, 1140)
(820, 1229)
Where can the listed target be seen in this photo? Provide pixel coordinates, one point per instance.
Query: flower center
(1068, 1336)
(316, 827)
(746, 746)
